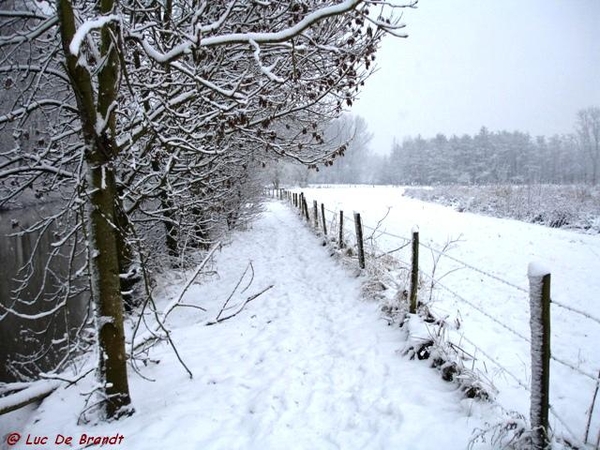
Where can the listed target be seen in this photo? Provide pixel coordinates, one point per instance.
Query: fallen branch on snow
(31, 393)
(159, 331)
(238, 309)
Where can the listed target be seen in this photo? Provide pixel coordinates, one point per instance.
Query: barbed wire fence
(336, 226)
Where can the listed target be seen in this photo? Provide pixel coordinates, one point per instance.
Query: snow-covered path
(306, 365)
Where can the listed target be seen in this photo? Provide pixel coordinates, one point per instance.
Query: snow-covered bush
(569, 206)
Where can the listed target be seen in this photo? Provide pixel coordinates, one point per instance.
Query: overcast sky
(525, 65)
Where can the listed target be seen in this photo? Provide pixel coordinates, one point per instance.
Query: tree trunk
(106, 288)
(125, 254)
(100, 155)
(168, 211)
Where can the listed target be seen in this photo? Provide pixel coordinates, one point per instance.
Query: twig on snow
(249, 266)
(239, 308)
(591, 411)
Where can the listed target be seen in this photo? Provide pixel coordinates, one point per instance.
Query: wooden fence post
(341, 231)
(323, 219)
(414, 273)
(359, 240)
(305, 208)
(539, 305)
(315, 214)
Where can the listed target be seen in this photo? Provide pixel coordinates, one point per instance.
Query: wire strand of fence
(386, 233)
(573, 368)
(469, 266)
(474, 306)
(496, 363)
(576, 311)
(332, 212)
(389, 252)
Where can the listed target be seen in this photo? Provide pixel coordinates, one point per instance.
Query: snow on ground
(503, 248)
(309, 364)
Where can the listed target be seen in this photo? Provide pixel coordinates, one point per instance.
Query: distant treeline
(486, 158)
(499, 157)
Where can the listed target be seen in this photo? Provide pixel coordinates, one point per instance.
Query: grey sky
(525, 65)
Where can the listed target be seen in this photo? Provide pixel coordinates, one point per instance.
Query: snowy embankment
(482, 288)
(307, 365)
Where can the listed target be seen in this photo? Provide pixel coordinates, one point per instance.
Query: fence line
(487, 274)
(480, 271)
(558, 360)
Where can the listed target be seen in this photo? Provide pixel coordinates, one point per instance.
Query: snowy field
(309, 364)
(498, 251)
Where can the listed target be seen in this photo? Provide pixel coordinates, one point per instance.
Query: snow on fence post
(414, 273)
(323, 219)
(315, 214)
(359, 240)
(539, 304)
(341, 231)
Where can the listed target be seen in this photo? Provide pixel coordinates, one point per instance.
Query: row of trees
(485, 158)
(150, 121)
